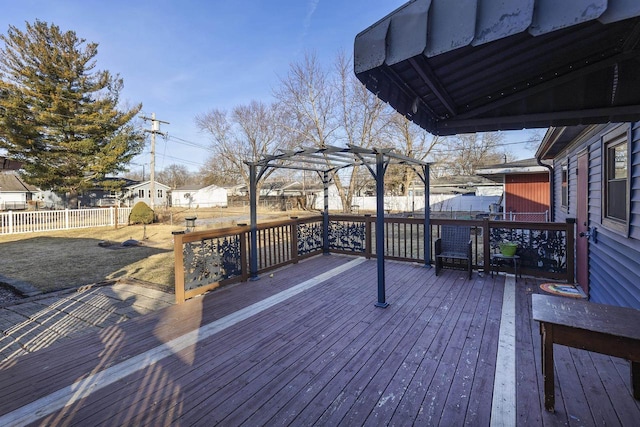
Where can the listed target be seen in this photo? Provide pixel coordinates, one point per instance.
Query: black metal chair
(454, 244)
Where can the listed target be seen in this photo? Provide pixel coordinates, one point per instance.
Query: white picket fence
(34, 221)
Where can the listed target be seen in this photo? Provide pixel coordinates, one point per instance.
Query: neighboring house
(198, 196)
(463, 184)
(596, 180)
(141, 192)
(526, 189)
(104, 194)
(15, 194)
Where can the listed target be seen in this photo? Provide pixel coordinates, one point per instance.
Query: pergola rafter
(327, 161)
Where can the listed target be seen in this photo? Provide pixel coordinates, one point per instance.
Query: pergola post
(253, 247)
(325, 214)
(427, 218)
(382, 303)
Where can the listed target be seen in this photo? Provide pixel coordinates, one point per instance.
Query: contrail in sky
(311, 7)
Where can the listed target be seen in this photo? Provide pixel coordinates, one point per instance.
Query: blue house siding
(614, 272)
(614, 260)
(635, 182)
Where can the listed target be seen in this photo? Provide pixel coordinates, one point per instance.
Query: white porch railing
(30, 222)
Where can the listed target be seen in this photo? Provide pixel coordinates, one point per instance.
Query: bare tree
(323, 108)
(363, 117)
(412, 141)
(246, 134)
(175, 176)
(307, 100)
(218, 171)
(463, 154)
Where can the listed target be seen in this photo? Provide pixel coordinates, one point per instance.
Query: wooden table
(498, 259)
(594, 327)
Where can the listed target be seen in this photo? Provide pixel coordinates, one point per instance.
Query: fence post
(10, 222)
(367, 238)
(244, 255)
(486, 245)
(178, 267)
(571, 222)
(293, 238)
(66, 218)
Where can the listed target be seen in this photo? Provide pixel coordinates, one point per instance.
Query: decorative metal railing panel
(542, 250)
(347, 236)
(211, 260)
(309, 237)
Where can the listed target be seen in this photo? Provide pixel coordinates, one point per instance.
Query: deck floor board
(326, 356)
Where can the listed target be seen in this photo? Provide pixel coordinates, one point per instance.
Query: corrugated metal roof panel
(553, 15)
(460, 31)
(497, 19)
(491, 64)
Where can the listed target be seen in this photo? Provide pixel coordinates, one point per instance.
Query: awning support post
(325, 215)
(380, 169)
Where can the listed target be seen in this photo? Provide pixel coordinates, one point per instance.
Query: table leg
(635, 379)
(546, 332)
(492, 265)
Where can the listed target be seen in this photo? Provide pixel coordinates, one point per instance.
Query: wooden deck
(294, 350)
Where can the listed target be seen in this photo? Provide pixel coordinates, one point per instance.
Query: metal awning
(469, 65)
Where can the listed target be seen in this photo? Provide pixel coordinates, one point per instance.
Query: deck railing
(53, 220)
(206, 259)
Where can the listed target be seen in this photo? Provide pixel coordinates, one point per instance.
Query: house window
(564, 193)
(141, 194)
(160, 193)
(616, 180)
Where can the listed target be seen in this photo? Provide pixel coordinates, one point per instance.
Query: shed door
(582, 223)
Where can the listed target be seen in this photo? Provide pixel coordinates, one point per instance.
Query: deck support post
(427, 218)
(253, 233)
(380, 169)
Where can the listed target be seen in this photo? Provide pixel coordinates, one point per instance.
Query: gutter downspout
(552, 213)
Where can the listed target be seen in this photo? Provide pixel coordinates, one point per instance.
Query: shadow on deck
(307, 346)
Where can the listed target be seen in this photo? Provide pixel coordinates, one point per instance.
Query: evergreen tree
(58, 115)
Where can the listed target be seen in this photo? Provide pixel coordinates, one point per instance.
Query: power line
(189, 143)
(191, 162)
(155, 130)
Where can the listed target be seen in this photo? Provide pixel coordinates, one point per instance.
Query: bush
(141, 214)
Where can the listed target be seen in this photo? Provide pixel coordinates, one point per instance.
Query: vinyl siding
(614, 261)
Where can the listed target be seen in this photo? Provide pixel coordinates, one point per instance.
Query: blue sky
(181, 58)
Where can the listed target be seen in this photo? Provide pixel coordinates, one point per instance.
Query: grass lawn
(56, 260)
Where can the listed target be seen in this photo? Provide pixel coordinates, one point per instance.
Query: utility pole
(155, 129)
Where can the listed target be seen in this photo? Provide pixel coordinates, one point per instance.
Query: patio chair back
(455, 239)
(454, 244)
